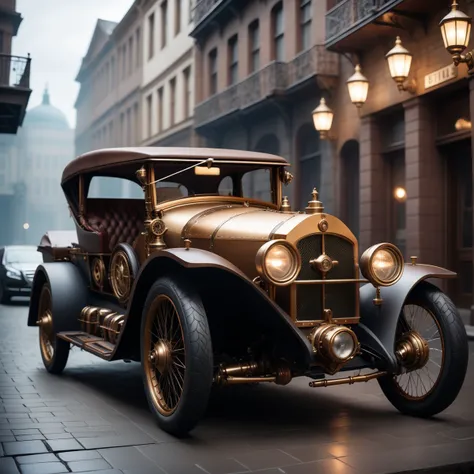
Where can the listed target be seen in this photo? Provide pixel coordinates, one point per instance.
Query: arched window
(256, 184)
(350, 185)
(309, 163)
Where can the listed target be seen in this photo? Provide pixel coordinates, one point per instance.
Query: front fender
(377, 328)
(226, 284)
(68, 292)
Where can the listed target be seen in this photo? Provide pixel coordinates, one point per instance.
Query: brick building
(412, 146)
(261, 68)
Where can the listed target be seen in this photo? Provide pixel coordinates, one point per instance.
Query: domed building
(46, 144)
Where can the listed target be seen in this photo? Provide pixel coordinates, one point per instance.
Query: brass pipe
(241, 380)
(329, 282)
(346, 380)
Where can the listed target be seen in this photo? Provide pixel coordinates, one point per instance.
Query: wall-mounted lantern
(399, 62)
(358, 86)
(322, 118)
(456, 30)
(400, 194)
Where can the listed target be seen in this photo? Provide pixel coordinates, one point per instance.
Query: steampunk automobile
(207, 277)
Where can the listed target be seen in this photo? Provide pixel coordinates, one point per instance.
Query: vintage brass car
(204, 284)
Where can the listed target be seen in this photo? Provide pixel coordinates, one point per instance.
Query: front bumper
(14, 287)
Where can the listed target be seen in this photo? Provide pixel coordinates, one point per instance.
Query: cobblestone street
(95, 418)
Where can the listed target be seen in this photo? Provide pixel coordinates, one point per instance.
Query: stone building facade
(261, 68)
(109, 102)
(167, 90)
(418, 140)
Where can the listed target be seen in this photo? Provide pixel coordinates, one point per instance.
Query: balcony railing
(276, 78)
(14, 71)
(349, 15)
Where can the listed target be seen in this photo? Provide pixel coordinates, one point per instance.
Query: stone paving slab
(94, 418)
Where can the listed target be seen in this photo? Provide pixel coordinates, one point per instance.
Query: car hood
(23, 267)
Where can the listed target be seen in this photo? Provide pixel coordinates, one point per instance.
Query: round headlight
(343, 345)
(278, 261)
(382, 264)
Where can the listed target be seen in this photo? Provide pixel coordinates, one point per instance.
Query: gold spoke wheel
(165, 363)
(421, 351)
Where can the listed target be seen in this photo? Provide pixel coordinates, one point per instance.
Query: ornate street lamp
(322, 118)
(399, 62)
(456, 29)
(358, 86)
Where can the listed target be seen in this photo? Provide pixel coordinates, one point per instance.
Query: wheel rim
(45, 322)
(164, 355)
(418, 383)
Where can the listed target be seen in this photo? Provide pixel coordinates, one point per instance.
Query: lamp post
(358, 86)
(399, 62)
(322, 119)
(456, 29)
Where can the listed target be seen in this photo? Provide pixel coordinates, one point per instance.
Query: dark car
(17, 268)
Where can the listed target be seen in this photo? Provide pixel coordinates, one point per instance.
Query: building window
(129, 126)
(160, 109)
(213, 72)
(397, 197)
(278, 33)
(2, 42)
(190, 12)
(164, 23)
(172, 101)
(305, 24)
(149, 108)
(177, 17)
(136, 139)
(137, 48)
(151, 36)
(187, 91)
(254, 46)
(233, 55)
(130, 55)
(112, 73)
(124, 61)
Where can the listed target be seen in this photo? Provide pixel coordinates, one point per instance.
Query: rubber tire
(4, 296)
(199, 357)
(61, 349)
(456, 356)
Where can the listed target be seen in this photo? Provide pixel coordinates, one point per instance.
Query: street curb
(470, 332)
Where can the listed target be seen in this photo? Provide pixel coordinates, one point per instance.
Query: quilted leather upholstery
(116, 220)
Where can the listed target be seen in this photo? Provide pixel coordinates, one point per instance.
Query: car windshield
(26, 255)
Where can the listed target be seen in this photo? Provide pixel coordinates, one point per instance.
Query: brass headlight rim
(261, 267)
(366, 263)
(336, 332)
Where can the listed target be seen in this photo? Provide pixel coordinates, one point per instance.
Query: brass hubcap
(161, 357)
(413, 352)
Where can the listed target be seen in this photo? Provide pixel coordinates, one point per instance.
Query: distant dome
(46, 116)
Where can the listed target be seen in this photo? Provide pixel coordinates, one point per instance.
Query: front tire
(176, 354)
(54, 351)
(428, 390)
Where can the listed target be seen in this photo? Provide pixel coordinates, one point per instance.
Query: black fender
(377, 328)
(69, 294)
(202, 267)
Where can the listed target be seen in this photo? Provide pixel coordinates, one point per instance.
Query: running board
(93, 344)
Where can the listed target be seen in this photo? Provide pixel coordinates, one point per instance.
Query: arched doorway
(350, 185)
(308, 152)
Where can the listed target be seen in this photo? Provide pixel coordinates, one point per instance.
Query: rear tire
(54, 351)
(452, 349)
(176, 355)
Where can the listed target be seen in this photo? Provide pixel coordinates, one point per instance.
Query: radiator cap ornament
(314, 206)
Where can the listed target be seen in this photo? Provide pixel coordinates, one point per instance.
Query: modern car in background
(17, 268)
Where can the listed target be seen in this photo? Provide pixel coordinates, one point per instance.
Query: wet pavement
(94, 418)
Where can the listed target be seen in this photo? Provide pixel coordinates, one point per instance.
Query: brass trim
(346, 380)
(329, 282)
(98, 272)
(316, 322)
(187, 227)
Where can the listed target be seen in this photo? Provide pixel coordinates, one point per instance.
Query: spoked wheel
(54, 351)
(432, 350)
(176, 353)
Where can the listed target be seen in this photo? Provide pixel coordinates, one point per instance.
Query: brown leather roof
(115, 157)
